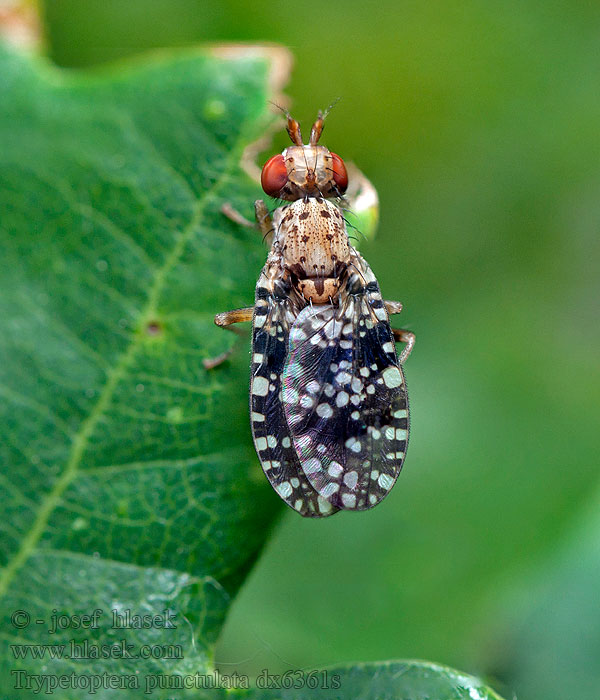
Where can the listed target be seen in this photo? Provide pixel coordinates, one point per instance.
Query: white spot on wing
(357, 385)
(330, 489)
(343, 378)
(342, 399)
(392, 377)
(324, 410)
(260, 386)
(312, 465)
(284, 489)
(297, 334)
(306, 401)
(335, 469)
(351, 479)
(261, 443)
(349, 500)
(353, 444)
(385, 481)
(324, 505)
(290, 395)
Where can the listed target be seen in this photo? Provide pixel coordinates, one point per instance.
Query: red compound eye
(340, 176)
(274, 175)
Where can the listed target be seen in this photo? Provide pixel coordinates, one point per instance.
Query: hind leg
(401, 336)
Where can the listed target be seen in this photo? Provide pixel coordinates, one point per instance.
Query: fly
(328, 401)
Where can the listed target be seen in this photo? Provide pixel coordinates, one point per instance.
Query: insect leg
(263, 219)
(402, 336)
(235, 216)
(212, 362)
(224, 320)
(393, 307)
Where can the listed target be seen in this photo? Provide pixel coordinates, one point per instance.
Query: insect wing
(272, 438)
(345, 400)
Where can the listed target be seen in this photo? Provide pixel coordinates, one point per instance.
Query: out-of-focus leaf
(550, 645)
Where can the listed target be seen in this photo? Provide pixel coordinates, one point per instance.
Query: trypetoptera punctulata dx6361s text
(328, 402)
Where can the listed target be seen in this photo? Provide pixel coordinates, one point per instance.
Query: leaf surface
(128, 478)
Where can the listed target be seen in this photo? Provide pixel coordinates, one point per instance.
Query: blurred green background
(478, 122)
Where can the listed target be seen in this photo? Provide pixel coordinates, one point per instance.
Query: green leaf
(128, 478)
(404, 680)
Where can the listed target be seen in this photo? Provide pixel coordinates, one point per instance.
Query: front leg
(228, 318)
(224, 320)
(263, 219)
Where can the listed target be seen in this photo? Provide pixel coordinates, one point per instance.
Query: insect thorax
(311, 235)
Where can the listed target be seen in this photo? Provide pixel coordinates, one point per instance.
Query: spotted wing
(345, 400)
(272, 438)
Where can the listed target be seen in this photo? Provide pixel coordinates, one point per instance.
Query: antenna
(317, 127)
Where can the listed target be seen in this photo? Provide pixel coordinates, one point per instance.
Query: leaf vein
(114, 376)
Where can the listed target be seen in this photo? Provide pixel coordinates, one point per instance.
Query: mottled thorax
(312, 236)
